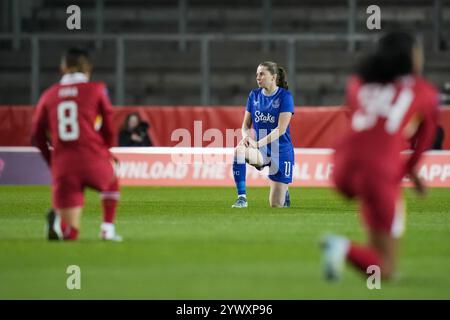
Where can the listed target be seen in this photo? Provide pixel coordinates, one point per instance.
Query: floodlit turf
(187, 243)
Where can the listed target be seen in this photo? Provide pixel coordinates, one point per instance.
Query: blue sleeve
(287, 104)
(249, 102)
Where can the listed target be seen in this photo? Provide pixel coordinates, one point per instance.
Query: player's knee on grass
(277, 195)
(387, 273)
(276, 204)
(388, 260)
(385, 245)
(276, 200)
(71, 216)
(387, 267)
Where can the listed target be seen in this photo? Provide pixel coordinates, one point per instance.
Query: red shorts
(378, 192)
(70, 181)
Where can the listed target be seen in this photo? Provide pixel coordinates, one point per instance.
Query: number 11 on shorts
(287, 168)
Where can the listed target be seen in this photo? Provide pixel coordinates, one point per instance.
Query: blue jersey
(265, 111)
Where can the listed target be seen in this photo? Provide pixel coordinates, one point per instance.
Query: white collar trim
(272, 94)
(72, 78)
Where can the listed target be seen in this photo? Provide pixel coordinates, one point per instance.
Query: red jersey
(384, 119)
(75, 118)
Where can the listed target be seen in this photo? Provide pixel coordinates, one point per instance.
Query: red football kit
(386, 119)
(74, 117)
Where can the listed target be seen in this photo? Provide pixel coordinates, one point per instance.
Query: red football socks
(363, 256)
(109, 210)
(109, 202)
(70, 233)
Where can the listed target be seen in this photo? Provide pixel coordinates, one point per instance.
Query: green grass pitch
(187, 243)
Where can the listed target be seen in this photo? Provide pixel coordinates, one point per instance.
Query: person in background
(439, 139)
(134, 132)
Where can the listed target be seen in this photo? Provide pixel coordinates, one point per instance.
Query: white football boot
(108, 232)
(334, 252)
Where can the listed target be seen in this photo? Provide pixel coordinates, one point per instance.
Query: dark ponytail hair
(392, 58)
(274, 68)
(281, 80)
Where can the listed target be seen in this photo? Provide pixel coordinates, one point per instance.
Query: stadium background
(178, 61)
(204, 53)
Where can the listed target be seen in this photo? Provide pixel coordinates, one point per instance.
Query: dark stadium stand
(160, 73)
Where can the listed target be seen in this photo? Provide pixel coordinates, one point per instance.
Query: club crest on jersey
(276, 103)
(261, 117)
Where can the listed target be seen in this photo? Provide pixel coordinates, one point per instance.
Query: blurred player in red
(390, 105)
(72, 126)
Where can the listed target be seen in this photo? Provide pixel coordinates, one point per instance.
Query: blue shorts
(281, 166)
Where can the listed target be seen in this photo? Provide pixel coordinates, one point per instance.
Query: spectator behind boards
(134, 132)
